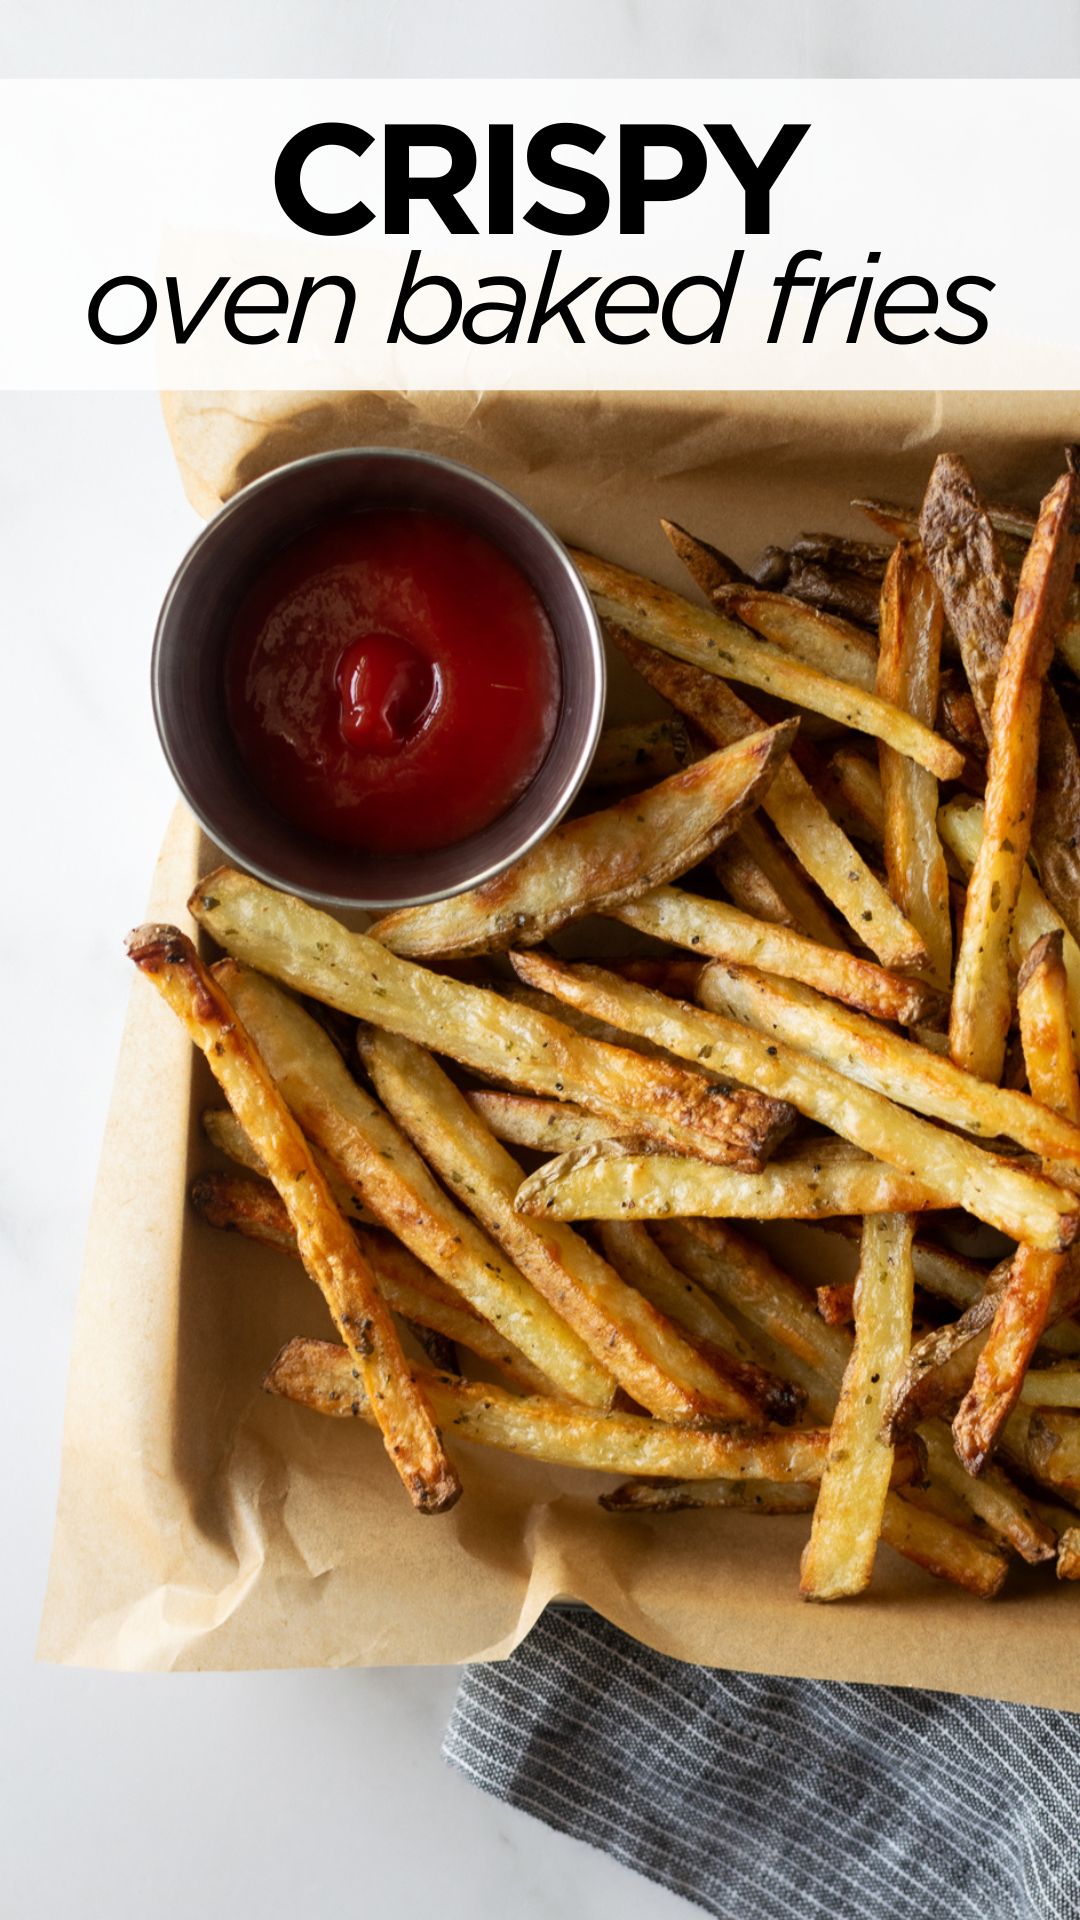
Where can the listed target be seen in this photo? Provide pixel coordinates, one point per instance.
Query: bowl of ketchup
(377, 678)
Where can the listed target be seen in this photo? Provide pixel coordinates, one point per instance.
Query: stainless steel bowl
(188, 674)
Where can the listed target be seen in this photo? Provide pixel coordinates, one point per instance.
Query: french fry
(993, 1498)
(1051, 1387)
(320, 1375)
(1068, 1556)
(612, 1181)
(833, 589)
(711, 927)
(815, 1356)
(1025, 1303)
(908, 669)
(961, 826)
(839, 1557)
(706, 565)
(326, 1242)
(761, 875)
(980, 1013)
(722, 646)
(640, 752)
(853, 788)
(748, 1496)
(1024, 1205)
(639, 1260)
(238, 1204)
(822, 640)
(867, 559)
(594, 862)
(869, 1053)
(1052, 1448)
(313, 953)
(746, 882)
(649, 1357)
(223, 1130)
(376, 1159)
(803, 822)
(546, 1126)
(941, 1365)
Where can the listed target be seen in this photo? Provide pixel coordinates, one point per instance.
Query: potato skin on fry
(327, 1245)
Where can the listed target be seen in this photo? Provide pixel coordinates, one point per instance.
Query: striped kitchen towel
(770, 1799)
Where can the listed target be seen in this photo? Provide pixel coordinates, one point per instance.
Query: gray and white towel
(771, 1799)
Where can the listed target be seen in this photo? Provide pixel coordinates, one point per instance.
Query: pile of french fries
(847, 994)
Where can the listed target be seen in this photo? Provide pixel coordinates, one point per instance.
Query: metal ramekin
(188, 674)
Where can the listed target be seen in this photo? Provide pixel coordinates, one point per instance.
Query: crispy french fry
(853, 788)
(867, 559)
(833, 589)
(639, 1260)
(815, 1356)
(320, 1375)
(1025, 1303)
(1024, 1205)
(961, 826)
(941, 1364)
(869, 1053)
(908, 670)
(312, 952)
(238, 1204)
(612, 1181)
(800, 818)
(823, 640)
(594, 862)
(839, 1557)
(326, 1242)
(639, 753)
(993, 1498)
(223, 1130)
(374, 1156)
(1051, 1387)
(980, 1014)
(647, 1355)
(770, 883)
(712, 927)
(1068, 1556)
(706, 565)
(748, 1496)
(546, 1126)
(722, 646)
(1052, 1448)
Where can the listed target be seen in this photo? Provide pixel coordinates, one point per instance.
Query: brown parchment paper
(203, 1525)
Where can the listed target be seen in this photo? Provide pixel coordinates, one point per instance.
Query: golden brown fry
(1025, 1304)
(908, 670)
(721, 646)
(711, 927)
(869, 1053)
(1068, 1556)
(1052, 1448)
(1019, 1203)
(979, 1019)
(839, 1557)
(706, 565)
(326, 1242)
(594, 862)
(800, 818)
(639, 753)
(748, 1496)
(251, 1207)
(320, 1375)
(940, 1547)
(941, 1363)
(223, 1130)
(518, 1046)
(639, 1260)
(648, 1356)
(374, 1156)
(993, 1498)
(547, 1126)
(853, 788)
(961, 825)
(823, 640)
(612, 1181)
(781, 891)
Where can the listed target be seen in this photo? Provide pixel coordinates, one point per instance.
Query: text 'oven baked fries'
(326, 1242)
(592, 863)
(320, 1375)
(721, 646)
(711, 927)
(237, 1204)
(980, 1013)
(908, 669)
(1028, 1293)
(491, 1035)
(375, 1158)
(648, 1356)
(803, 821)
(839, 1557)
(1021, 1204)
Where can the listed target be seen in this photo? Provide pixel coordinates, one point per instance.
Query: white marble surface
(133, 1795)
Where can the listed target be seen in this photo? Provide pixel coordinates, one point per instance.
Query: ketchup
(392, 682)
